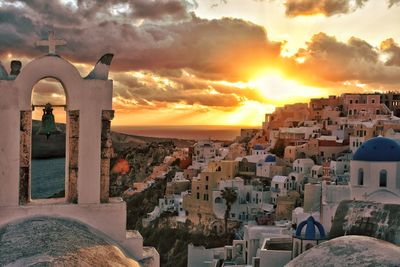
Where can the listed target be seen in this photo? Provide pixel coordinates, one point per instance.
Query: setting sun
(277, 89)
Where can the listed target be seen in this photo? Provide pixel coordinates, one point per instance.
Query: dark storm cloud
(58, 12)
(326, 7)
(218, 49)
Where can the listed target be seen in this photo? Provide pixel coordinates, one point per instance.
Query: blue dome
(270, 158)
(378, 149)
(310, 233)
(258, 147)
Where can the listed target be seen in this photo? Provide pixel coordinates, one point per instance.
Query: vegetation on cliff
(171, 239)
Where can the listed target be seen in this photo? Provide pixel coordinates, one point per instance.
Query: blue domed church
(375, 171)
(308, 234)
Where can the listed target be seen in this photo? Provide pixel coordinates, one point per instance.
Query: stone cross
(51, 42)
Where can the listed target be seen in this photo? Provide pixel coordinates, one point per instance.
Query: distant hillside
(54, 147)
(42, 148)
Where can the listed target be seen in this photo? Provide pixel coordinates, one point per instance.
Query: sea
(48, 175)
(188, 132)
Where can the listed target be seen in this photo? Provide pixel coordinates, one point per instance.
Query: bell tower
(88, 148)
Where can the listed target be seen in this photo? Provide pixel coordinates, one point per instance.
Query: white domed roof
(57, 242)
(351, 250)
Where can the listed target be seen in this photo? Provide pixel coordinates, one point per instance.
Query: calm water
(183, 132)
(48, 177)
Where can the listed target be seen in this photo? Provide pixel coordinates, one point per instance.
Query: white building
(331, 196)
(340, 169)
(259, 150)
(264, 166)
(296, 181)
(375, 171)
(205, 151)
(316, 172)
(303, 166)
(279, 187)
(251, 200)
(261, 246)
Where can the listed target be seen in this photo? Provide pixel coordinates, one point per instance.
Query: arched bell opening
(49, 146)
(48, 165)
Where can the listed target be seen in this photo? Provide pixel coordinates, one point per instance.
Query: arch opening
(360, 178)
(48, 156)
(382, 178)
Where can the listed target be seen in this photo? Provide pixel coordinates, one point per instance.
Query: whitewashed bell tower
(88, 148)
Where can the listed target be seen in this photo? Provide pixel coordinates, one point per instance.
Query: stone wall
(25, 156)
(106, 154)
(73, 152)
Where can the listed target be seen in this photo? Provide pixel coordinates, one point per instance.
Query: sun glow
(279, 90)
(251, 113)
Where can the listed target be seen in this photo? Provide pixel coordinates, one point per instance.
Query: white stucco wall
(371, 180)
(90, 97)
(202, 257)
(9, 144)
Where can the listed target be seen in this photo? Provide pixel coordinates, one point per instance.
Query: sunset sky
(217, 62)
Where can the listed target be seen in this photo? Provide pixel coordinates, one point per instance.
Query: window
(205, 197)
(218, 200)
(382, 178)
(206, 187)
(207, 178)
(360, 180)
(373, 101)
(351, 101)
(198, 195)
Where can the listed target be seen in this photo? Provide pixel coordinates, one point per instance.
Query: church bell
(48, 126)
